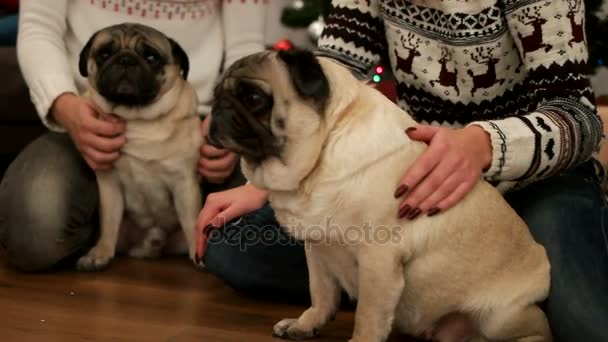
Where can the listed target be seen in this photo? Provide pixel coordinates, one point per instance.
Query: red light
(283, 44)
(379, 70)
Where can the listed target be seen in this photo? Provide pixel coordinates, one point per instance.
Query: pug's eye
(152, 58)
(252, 100)
(252, 97)
(104, 54)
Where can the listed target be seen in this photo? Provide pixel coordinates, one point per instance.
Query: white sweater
(53, 32)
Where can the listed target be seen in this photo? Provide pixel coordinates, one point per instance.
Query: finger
(209, 151)
(96, 166)
(224, 164)
(214, 177)
(220, 220)
(202, 224)
(431, 204)
(101, 127)
(100, 157)
(113, 118)
(431, 183)
(205, 126)
(456, 195)
(225, 216)
(104, 144)
(421, 167)
(422, 132)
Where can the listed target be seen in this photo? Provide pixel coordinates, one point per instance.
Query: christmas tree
(597, 31)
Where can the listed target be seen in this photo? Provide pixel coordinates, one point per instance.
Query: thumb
(422, 132)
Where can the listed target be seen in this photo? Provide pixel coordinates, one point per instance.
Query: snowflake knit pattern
(514, 67)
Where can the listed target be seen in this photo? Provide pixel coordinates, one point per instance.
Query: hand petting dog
(445, 172)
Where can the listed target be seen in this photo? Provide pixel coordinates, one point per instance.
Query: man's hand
(215, 164)
(97, 135)
(446, 171)
(223, 207)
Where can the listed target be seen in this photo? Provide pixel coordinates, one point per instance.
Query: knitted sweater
(513, 67)
(53, 32)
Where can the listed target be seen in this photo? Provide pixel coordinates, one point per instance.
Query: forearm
(558, 135)
(42, 54)
(560, 127)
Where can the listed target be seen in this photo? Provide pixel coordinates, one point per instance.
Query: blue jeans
(8, 30)
(566, 213)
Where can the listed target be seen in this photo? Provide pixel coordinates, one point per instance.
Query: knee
(46, 207)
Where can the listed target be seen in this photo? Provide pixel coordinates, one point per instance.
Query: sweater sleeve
(564, 129)
(244, 25)
(354, 35)
(43, 56)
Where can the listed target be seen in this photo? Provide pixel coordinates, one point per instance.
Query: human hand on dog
(225, 206)
(446, 171)
(97, 135)
(215, 164)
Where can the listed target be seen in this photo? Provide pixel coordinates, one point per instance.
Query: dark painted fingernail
(410, 130)
(400, 191)
(404, 211)
(433, 211)
(414, 214)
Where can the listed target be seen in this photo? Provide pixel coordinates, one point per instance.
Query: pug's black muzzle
(125, 80)
(235, 128)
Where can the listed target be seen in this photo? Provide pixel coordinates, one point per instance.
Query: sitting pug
(331, 150)
(140, 75)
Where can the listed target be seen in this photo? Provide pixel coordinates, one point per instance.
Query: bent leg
(48, 205)
(254, 255)
(568, 215)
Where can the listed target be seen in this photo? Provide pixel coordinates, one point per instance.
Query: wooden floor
(134, 300)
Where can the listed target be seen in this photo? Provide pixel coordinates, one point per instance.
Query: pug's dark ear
(84, 57)
(307, 75)
(181, 57)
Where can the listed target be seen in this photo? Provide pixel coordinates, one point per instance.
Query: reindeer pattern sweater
(513, 67)
(52, 33)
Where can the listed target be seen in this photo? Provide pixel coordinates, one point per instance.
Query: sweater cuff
(44, 91)
(512, 152)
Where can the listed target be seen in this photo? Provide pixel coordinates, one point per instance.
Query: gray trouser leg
(48, 205)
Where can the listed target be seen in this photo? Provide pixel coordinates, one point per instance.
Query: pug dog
(140, 75)
(331, 150)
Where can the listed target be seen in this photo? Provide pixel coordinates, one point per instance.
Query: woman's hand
(223, 207)
(215, 164)
(446, 171)
(97, 135)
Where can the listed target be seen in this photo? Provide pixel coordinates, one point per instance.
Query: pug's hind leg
(151, 245)
(381, 286)
(325, 297)
(527, 324)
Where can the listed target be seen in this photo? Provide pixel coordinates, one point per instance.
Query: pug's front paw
(96, 259)
(288, 329)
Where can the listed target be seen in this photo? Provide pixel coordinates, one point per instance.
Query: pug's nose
(127, 60)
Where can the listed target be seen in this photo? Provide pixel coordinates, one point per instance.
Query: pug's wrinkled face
(269, 107)
(131, 64)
